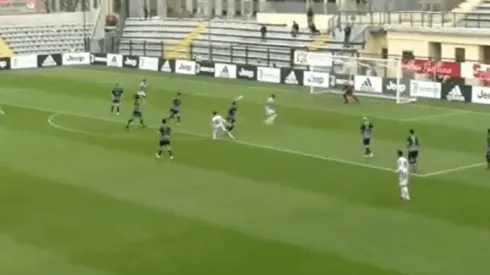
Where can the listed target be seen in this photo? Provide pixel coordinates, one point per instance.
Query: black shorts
(412, 156)
(231, 121)
(116, 101)
(174, 112)
(366, 141)
(164, 142)
(137, 114)
(488, 157)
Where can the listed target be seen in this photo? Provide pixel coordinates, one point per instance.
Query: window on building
(460, 54)
(384, 53)
(408, 55)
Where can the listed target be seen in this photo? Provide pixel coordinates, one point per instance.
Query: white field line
(452, 170)
(436, 116)
(250, 144)
(245, 143)
(52, 123)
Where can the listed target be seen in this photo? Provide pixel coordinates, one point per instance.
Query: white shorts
(219, 127)
(403, 183)
(269, 112)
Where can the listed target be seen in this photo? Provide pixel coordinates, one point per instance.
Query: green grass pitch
(80, 196)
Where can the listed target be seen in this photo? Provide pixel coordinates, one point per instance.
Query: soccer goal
(370, 77)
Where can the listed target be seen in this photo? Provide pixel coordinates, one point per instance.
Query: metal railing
(417, 19)
(239, 53)
(248, 52)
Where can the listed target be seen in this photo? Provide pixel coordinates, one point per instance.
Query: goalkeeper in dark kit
(349, 93)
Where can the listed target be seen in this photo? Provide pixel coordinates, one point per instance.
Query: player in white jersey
(143, 88)
(270, 110)
(218, 124)
(402, 170)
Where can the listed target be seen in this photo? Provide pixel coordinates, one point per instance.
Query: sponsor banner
(427, 89)
(476, 70)
(205, 68)
(5, 63)
(130, 61)
(166, 66)
(246, 72)
(270, 75)
(48, 60)
(185, 67)
(75, 59)
(148, 63)
(24, 61)
(368, 84)
(480, 95)
(460, 93)
(316, 79)
(432, 67)
(98, 59)
(291, 77)
(114, 60)
(390, 86)
(339, 81)
(321, 59)
(225, 71)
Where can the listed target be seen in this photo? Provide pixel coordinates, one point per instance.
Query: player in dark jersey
(349, 93)
(137, 111)
(488, 150)
(366, 135)
(117, 93)
(175, 108)
(413, 147)
(164, 140)
(231, 118)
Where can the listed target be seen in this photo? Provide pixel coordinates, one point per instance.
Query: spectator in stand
(263, 32)
(146, 14)
(309, 15)
(294, 29)
(347, 32)
(313, 29)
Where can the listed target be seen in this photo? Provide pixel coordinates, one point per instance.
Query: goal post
(370, 77)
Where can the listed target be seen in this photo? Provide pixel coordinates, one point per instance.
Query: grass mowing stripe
(90, 226)
(260, 209)
(245, 143)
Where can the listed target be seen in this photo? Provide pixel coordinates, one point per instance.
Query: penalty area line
(201, 136)
(452, 170)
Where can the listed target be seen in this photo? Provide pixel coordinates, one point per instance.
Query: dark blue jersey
(488, 144)
(367, 130)
(117, 93)
(176, 104)
(165, 133)
(232, 112)
(413, 144)
(138, 102)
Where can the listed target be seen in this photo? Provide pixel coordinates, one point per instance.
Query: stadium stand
(479, 17)
(218, 41)
(26, 27)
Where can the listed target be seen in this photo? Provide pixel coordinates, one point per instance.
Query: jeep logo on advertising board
(246, 72)
(130, 61)
(4, 63)
(390, 85)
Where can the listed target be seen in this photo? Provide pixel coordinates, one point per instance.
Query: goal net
(370, 77)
